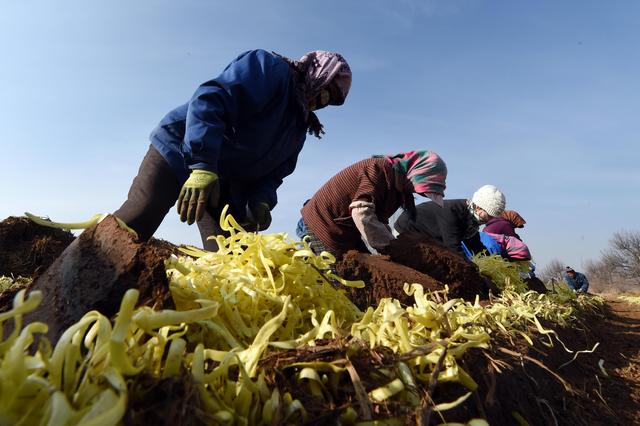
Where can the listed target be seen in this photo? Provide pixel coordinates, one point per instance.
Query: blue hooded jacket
(579, 283)
(245, 125)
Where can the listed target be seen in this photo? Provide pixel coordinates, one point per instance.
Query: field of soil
(518, 383)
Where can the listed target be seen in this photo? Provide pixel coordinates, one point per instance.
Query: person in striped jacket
(352, 209)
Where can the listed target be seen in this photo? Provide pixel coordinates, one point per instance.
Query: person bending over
(234, 142)
(352, 209)
(456, 223)
(576, 280)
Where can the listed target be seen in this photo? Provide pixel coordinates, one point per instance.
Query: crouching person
(351, 211)
(576, 280)
(455, 223)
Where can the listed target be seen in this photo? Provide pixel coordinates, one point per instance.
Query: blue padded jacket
(245, 125)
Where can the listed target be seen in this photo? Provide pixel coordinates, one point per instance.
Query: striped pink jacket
(511, 246)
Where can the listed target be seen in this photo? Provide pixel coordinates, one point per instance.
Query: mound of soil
(27, 249)
(412, 259)
(94, 272)
(430, 257)
(382, 277)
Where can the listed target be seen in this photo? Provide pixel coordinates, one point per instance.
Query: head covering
(426, 172)
(490, 199)
(315, 71)
(321, 68)
(569, 269)
(513, 217)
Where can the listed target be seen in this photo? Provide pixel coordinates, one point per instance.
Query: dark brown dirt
(618, 331)
(27, 249)
(94, 272)
(428, 256)
(412, 259)
(382, 277)
(171, 401)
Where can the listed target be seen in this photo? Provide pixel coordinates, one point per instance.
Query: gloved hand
(201, 190)
(258, 216)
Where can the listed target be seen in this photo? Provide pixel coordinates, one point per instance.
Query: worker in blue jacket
(576, 280)
(234, 142)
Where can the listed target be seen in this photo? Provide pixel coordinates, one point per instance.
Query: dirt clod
(412, 259)
(382, 278)
(428, 256)
(94, 272)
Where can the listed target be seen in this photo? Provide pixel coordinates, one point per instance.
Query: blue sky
(539, 98)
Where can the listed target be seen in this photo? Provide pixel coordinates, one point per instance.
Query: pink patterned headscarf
(321, 68)
(425, 170)
(316, 70)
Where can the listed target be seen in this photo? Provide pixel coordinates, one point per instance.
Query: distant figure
(456, 223)
(352, 209)
(505, 224)
(576, 281)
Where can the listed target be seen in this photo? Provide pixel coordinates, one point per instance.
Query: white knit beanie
(490, 199)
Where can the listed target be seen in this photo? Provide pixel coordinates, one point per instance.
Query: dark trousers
(154, 191)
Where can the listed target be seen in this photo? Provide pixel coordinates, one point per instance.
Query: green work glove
(200, 191)
(258, 216)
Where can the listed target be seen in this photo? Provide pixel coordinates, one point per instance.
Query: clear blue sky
(540, 98)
